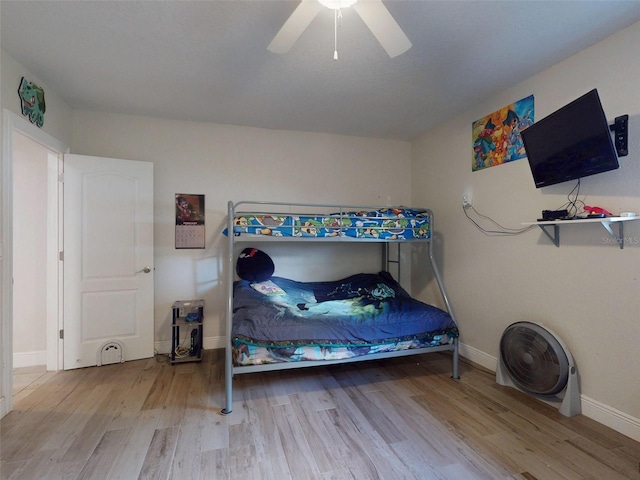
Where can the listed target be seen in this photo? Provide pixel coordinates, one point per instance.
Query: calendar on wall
(189, 220)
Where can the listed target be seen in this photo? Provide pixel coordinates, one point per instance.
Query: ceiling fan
(373, 12)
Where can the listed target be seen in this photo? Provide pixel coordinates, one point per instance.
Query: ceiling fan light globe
(337, 4)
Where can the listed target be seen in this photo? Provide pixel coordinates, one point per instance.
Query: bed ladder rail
(387, 260)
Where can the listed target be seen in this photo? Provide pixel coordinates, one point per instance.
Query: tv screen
(571, 143)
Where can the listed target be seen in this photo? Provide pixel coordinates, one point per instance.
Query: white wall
(29, 249)
(586, 290)
(236, 163)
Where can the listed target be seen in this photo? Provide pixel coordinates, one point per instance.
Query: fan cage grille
(534, 359)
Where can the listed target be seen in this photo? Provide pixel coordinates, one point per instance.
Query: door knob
(144, 270)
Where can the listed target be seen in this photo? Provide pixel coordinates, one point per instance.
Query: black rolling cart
(186, 331)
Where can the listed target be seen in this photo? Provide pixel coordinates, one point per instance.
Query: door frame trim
(12, 122)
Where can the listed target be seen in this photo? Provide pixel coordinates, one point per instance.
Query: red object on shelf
(593, 210)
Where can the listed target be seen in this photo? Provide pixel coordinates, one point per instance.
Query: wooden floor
(404, 418)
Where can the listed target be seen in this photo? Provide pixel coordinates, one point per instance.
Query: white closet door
(108, 259)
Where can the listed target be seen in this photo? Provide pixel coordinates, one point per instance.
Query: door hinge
(61, 177)
(61, 334)
(61, 256)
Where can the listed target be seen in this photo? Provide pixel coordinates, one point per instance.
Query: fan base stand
(567, 402)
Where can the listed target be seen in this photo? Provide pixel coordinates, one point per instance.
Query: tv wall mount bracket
(620, 132)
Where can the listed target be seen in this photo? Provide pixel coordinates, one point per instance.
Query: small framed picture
(189, 220)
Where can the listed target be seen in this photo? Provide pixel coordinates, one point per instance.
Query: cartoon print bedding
(385, 224)
(282, 320)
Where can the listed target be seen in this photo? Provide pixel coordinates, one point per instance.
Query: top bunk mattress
(399, 223)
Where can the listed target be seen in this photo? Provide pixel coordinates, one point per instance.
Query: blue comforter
(364, 309)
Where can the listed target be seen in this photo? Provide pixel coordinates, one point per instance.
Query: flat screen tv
(571, 143)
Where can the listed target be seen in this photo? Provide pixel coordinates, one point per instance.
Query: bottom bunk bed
(276, 323)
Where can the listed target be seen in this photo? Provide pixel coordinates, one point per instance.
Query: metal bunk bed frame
(293, 209)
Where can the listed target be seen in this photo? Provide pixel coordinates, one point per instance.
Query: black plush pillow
(254, 265)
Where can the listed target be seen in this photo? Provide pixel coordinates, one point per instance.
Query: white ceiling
(208, 61)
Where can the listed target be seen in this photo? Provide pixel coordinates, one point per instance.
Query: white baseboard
(612, 418)
(601, 413)
(477, 356)
(29, 359)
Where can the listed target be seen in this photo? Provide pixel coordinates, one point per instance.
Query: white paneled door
(108, 259)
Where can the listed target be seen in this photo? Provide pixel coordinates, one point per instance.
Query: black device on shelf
(187, 316)
(554, 214)
(572, 142)
(194, 343)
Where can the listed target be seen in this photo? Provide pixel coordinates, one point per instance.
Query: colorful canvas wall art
(496, 137)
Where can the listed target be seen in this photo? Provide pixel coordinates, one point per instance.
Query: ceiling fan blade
(294, 26)
(383, 26)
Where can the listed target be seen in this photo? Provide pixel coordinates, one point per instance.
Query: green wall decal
(32, 101)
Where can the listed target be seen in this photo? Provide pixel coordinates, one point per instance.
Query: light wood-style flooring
(398, 419)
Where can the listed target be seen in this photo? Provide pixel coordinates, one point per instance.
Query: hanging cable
(574, 205)
(502, 231)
